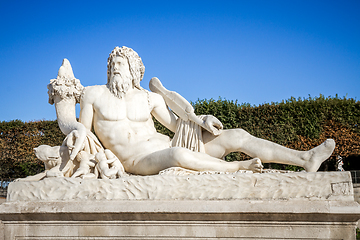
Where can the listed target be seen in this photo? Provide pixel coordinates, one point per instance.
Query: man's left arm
(183, 108)
(162, 113)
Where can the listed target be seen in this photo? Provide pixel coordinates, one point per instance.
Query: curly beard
(119, 85)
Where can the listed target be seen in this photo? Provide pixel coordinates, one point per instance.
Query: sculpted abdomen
(113, 132)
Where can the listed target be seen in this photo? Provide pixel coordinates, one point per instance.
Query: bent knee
(242, 133)
(237, 133)
(233, 140)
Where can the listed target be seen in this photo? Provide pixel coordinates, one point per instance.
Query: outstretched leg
(181, 157)
(238, 140)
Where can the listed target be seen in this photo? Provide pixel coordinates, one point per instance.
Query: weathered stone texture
(269, 186)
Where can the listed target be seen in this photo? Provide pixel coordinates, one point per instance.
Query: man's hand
(75, 142)
(213, 124)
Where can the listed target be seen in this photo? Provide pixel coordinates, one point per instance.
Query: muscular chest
(133, 107)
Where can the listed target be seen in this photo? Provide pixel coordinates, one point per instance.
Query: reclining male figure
(121, 114)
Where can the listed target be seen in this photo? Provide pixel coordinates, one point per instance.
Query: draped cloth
(188, 135)
(92, 144)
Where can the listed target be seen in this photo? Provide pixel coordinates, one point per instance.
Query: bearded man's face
(120, 76)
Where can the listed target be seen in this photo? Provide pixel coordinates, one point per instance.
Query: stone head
(136, 66)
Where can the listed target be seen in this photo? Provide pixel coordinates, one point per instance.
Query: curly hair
(136, 66)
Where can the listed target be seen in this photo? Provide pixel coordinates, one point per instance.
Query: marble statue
(188, 167)
(121, 114)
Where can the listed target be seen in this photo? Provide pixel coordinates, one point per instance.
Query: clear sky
(249, 51)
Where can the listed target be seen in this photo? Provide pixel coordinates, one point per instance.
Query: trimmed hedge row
(17, 141)
(296, 123)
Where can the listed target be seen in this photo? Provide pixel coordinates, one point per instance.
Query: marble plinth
(253, 186)
(183, 219)
(330, 213)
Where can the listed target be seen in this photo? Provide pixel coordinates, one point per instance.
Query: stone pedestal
(329, 212)
(165, 219)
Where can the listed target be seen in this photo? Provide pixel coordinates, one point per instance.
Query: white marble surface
(181, 219)
(331, 186)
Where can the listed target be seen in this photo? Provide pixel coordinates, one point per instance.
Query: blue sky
(249, 51)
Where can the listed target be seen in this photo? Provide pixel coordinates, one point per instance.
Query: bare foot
(319, 154)
(252, 165)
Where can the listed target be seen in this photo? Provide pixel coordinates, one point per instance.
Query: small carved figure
(115, 163)
(102, 166)
(86, 163)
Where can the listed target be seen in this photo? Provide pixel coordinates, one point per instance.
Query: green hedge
(296, 123)
(17, 141)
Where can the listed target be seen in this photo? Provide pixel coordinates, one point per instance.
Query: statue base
(333, 186)
(330, 213)
(166, 219)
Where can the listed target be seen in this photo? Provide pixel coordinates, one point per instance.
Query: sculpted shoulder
(91, 93)
(156, 99)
